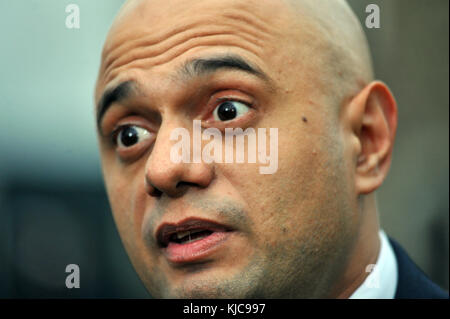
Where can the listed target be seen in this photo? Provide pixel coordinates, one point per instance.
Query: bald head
(320, 32)
(337, 24)
(340, 30)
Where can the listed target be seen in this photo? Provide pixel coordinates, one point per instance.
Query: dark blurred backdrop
(53, 207)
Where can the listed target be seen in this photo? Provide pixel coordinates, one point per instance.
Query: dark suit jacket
(412, 282)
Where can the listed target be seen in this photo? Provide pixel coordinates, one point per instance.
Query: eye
(229, 110)
(131, 135)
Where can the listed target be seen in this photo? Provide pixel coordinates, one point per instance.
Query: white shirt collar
(381, 283)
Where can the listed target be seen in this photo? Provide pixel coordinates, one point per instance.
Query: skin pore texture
(307, 231)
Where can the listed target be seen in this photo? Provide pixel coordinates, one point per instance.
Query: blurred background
(53, 207)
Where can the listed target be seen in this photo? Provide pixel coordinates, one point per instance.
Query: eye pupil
(227, 111)
(129, 136)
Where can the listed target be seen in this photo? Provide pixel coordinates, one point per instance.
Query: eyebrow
(116, 94)
(191, 69)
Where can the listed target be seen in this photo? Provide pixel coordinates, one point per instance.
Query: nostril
(152, 190)
(179, 190)
(186, 184)
(155, 192)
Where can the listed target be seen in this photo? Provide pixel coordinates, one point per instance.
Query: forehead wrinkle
(152, 52)
(149, 40)
(150, 44)
(228, 41)
(236, 16)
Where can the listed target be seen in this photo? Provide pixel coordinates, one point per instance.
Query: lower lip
(197, 250)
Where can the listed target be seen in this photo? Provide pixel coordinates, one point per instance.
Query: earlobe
(374, 122)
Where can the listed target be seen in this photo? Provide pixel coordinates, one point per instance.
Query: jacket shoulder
(412, 281)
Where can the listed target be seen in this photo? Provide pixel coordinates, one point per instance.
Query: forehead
(151, 34)
(165, 18)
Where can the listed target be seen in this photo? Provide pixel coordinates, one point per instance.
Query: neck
(364, 251)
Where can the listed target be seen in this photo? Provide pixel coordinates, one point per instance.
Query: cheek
(299, 196)
(121, 189)
(269, 196)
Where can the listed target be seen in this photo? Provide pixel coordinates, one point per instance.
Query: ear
(372, 117)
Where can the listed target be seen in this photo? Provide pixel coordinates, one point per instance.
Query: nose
(164, 176)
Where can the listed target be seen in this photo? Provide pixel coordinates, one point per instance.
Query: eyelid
(228, 95)
(133, 114)
(231, 98)
(249, 101)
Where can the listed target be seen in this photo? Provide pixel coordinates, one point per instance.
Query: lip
(178, 253)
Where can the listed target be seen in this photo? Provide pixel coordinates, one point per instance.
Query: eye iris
(227, 111)
(129, 136)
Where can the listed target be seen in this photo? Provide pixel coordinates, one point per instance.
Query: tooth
(183, 234)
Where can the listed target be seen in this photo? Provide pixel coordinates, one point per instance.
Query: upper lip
(166, 230)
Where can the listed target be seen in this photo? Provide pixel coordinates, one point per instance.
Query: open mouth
(189, 236)
(190, 240)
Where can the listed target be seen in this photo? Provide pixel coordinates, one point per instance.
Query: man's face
(279, 235)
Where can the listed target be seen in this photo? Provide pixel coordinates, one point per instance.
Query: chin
(210, 285)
